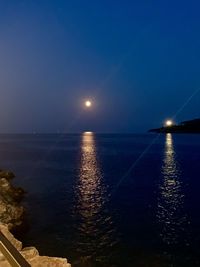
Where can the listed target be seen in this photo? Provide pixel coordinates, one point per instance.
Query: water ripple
(95, 231)
(171, 216)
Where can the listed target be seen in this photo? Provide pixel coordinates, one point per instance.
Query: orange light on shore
(169, 123)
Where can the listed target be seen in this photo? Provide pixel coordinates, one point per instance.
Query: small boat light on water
(169, 123)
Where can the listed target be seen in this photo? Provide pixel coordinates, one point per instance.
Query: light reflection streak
(95, 229)
(171, 199)
(91, 193)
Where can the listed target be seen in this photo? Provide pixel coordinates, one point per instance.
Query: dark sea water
(110, 200)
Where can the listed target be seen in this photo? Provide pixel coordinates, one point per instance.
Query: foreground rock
(11, 217)
(6, 174)
(11, 212)
(31, 254)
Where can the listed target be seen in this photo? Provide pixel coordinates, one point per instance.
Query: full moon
(88, 103)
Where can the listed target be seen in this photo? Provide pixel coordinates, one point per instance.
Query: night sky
(139, 61)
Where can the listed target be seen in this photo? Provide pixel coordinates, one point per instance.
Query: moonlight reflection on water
(171, 217)
(95, 227)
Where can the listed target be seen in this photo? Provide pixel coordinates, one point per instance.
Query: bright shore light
(88, 103)
(169, 123)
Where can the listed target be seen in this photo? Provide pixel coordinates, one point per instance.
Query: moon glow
(88, 103)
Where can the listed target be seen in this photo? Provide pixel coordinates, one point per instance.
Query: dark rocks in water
(10, 193)
(192, 126)
(6, 174)
(11, 212)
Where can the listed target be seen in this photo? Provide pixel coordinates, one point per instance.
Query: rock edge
(31, 254)
(11, 217)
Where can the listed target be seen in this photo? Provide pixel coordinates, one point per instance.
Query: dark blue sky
(138, 60)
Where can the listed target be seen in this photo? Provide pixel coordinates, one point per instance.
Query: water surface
(88, 201)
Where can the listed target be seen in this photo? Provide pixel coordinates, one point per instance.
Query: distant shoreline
(185, 127)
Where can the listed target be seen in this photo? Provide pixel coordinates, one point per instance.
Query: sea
(109, 200)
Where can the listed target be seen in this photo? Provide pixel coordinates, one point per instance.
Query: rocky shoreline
(11, 218)
(11, 212)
